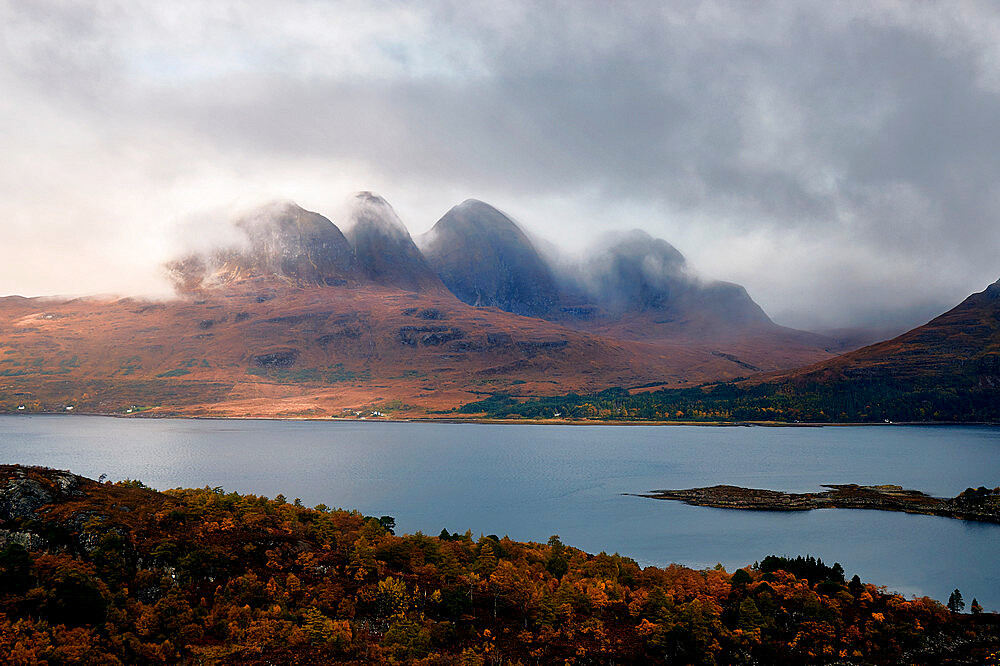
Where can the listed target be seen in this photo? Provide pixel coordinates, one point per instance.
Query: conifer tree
(955, 602)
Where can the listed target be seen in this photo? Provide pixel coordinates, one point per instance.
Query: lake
(530, 482)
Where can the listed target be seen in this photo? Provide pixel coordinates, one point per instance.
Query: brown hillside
(963, 343)
(263, 347)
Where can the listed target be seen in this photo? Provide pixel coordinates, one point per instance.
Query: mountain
(945, 370)
(279, 239)
(385, 252)
(485, 259)
(630, 287)
(959, 348)
(292, 317)
(636, 273)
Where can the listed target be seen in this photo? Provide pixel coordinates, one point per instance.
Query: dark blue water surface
(530, 482)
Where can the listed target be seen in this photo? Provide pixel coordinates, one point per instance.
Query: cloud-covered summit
(279, 239)
(385, 251)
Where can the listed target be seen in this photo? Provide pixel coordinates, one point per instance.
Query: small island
(982, 504)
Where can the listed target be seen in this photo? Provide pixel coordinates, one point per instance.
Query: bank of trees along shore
(870, 401)
(128, 575)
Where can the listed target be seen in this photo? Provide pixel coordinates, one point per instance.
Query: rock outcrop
(982, 504)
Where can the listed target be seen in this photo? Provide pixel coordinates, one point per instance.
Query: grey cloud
(867, 131)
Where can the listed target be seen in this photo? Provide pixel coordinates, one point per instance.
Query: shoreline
(496, 421)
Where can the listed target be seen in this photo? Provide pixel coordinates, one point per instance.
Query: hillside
(945, 370)
(264, 348)
(116, 573)
(959, 347)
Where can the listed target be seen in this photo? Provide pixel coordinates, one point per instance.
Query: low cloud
(840, 160)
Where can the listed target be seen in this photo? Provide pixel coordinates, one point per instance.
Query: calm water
(530, 482)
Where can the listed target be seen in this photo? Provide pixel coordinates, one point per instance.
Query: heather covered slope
(115, 573)
(960, 347)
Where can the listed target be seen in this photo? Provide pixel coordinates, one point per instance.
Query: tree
(740, 577)
(855, 586)
(749, 615)
(975, 608)
(558, 563)
(955, 602)
(389, 523)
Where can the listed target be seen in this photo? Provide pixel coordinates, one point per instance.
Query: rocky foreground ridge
(118, 573)
(981, 503)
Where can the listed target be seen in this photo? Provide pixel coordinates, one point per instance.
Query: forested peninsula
(118, 573)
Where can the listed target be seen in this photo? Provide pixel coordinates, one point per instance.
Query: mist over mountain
(385, 252)
(279, 239)
(628, 284)
(485, 259)
(281, 313)
(632, 272)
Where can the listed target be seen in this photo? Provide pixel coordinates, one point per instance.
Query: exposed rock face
(278, 240)
(485, 259)
(384, 249)
(21, 495)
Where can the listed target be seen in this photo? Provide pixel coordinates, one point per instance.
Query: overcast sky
(841, 160)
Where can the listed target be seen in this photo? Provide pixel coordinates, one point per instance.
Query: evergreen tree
(955, 602)
(975, 608)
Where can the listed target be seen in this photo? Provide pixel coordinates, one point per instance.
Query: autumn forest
(119, 573)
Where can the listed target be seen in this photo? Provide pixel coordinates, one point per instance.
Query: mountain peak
(485, 259)
(385, 251)
(279, 239)
(370, 211)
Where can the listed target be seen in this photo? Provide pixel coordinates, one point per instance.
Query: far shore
(494, 421)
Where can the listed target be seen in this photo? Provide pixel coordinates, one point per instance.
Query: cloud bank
(840, 160)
